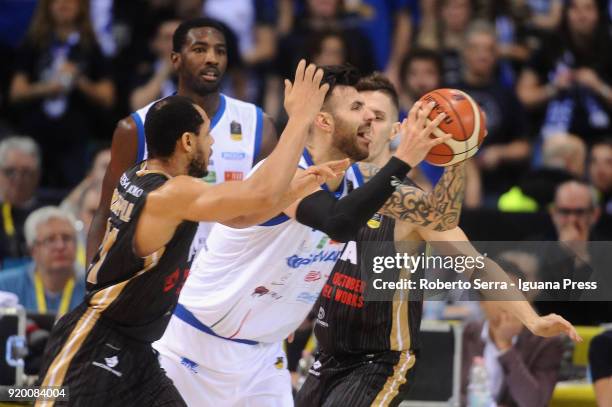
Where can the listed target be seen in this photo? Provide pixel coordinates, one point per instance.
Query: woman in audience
(569, 80)
(61, 81)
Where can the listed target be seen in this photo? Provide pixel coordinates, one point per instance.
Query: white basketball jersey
(259, 283)
(237, 128)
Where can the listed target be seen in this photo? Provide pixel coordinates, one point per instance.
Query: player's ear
(187, 141)
(175, 58)
(325, 122)
(395, 129)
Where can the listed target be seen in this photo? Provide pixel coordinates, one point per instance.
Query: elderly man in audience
(19, 176)
(575, 214)
(50, 284)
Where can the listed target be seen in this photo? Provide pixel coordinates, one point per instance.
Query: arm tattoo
(438, 209)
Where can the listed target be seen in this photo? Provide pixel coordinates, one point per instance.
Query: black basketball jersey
(133, 294)
(346, 323)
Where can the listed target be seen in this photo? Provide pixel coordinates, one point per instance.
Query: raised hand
(305, 96)
(327, 171)
(553, 325)
(415, 134)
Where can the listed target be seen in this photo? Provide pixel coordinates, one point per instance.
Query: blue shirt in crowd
(20, 281)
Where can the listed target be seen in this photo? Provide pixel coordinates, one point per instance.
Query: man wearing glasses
(574, 214)
(48, 285)
(19, 177)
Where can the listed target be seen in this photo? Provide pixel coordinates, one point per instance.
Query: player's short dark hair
(602, 141)
(166, 122)
(420, 54)
(378, 82)
(180, 35)
(339, 75)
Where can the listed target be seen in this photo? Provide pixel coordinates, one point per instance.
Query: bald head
(575, 208)
(574, 193)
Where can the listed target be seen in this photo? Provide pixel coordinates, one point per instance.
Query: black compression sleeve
(341, 219)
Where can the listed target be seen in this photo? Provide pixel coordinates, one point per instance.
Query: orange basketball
(465, 121)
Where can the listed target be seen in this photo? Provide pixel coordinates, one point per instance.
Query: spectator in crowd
(574, 214)
(545, 15)
(388, 26)
(329, 47)
(19, 176)
(600, 363)
(600, 172)
(503, 157)
(509, 18)
(61, 82)
(320, 15)
(522, 368)
(420, 73)
(569, 78)
(563, 159)
(94, 177)
(442, 29)
(156, 79)
(49, 284)
(254, 23)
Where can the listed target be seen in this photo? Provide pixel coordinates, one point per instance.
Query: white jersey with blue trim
(255, 284)
(237, 128)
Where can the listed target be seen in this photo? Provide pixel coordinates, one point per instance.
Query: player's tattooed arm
(438, 210)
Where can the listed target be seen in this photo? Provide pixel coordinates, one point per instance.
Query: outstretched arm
(438, 209)
(455, 242)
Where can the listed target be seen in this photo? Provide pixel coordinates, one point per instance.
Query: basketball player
(102, 350)
(243, 134)
(366, 348)
(254, 286)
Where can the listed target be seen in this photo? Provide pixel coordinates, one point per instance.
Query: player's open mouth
(364, 136)
(209, 75)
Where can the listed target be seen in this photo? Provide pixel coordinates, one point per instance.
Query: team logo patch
(233, 155)
(374, 222)
(279, 364)
(312, 276)
(235, 131)
(321, 314)
(233, 176)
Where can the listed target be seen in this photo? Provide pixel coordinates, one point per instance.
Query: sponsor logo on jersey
(189, 364)
(234, 175)
(233, 155)
(296, 261)
(259, 291)
(374, 222)
(235, 131)
(321, 314)
(312, 276)
(307, 297)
